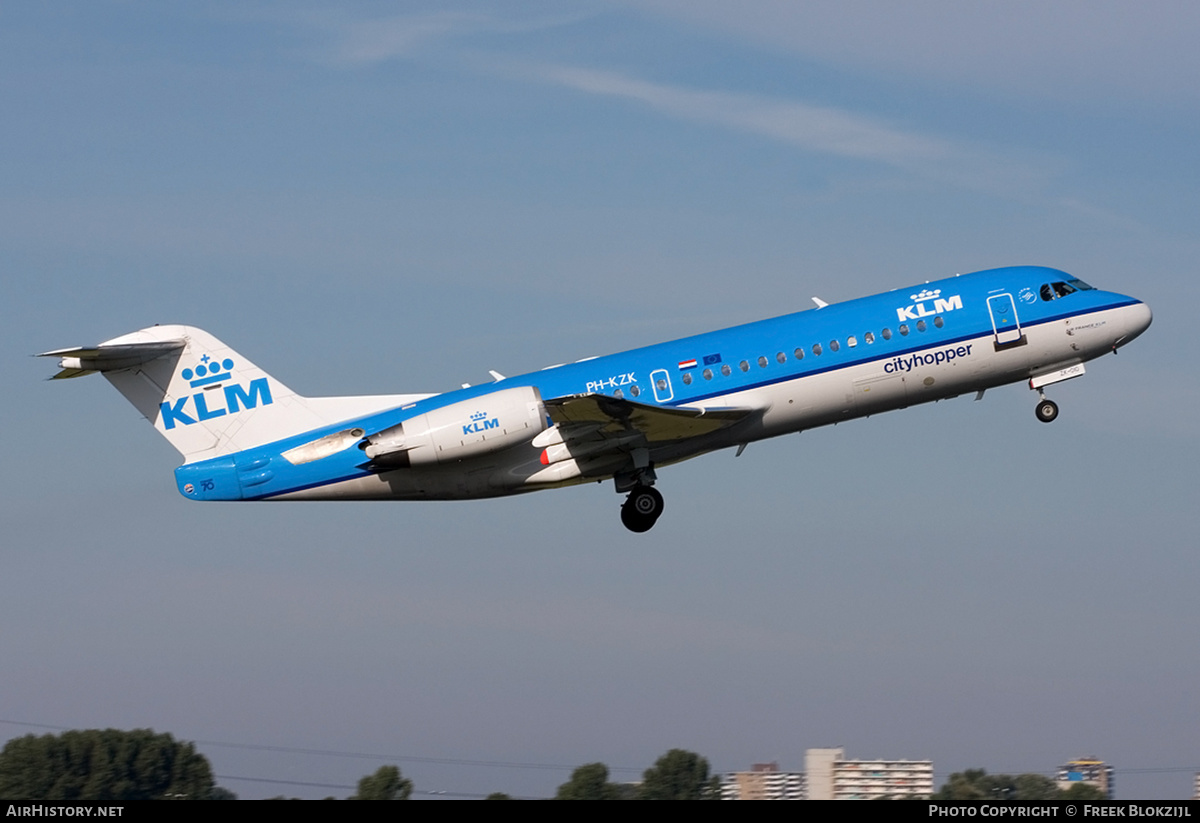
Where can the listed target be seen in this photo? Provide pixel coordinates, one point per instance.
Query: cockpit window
(1079, 284)
(1053, 291)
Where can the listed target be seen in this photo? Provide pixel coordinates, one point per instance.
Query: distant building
(832, 777)
(1196, 787)
(1090, 770)
(764, 781)
(818, 766)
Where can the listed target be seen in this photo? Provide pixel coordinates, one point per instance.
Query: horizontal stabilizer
(80, 361)
(208, 400)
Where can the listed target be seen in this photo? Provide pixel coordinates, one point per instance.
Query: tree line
(977, 784)
(112, 765)
(106, 765)
(677, 775)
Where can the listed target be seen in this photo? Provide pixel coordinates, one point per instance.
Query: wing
(598, 415)
(603, 435)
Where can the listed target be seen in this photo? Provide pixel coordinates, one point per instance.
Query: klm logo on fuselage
(206, 403)
(920, 305)
(480, 422)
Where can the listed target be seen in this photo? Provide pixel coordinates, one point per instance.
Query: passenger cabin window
(887, 334)
(833, 345)
(817, 349)
(707, 374)
(869, 337)
(635, 391)
(921, 325)
(762, 361)
(851, 341)
(799, 353)
(904, 330)
(780, 357)
(725, 370)
(938, 321)
(744, 366)
(687, 378)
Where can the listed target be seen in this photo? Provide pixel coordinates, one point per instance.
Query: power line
(282, 782)
(399, 758)
(428, 793)
(502, 764)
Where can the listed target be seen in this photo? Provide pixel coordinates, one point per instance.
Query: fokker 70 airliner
(246, 436)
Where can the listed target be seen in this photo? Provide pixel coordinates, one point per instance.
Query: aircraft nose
(1136, 319)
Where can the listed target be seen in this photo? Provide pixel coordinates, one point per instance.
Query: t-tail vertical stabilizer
(203, 396)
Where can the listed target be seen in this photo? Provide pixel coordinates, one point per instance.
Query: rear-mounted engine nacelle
(461, 430)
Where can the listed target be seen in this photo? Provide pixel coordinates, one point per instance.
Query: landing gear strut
(1046, 410)
(641, 509)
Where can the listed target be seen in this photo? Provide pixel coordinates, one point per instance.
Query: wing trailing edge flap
(589, 420)
(80, 361)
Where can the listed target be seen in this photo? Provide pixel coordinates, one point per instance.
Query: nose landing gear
(641, 509)
(1046, 410)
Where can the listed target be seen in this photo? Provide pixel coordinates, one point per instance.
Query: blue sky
(375, 198)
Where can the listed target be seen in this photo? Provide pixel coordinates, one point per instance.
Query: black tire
(646, 501)
(641, 509)
(635, 522)
(1046, 411)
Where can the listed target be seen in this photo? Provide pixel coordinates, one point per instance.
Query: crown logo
(924, 294)
(207, 372)
(477, 416)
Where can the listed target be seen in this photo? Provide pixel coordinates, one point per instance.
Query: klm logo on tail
(208, 376)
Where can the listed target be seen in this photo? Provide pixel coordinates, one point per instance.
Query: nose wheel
(1046, 410)
(641, 509)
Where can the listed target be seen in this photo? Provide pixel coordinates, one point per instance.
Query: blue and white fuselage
(247, 437)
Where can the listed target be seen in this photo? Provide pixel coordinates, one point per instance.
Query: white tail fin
(204, 397)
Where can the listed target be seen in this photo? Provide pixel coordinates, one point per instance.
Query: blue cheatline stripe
(811, 372)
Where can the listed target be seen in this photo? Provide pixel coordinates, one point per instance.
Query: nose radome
(1143, 317)
(1137, 319)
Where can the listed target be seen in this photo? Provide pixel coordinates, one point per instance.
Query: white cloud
(365, 41)
(814, 128)
(1066, 50)
(372, 41)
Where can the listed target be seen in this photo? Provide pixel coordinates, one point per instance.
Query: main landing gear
(1046, 410)
(641, 509)
(644, 505)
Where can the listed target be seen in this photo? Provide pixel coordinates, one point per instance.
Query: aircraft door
(661, 379)
(1005, 323)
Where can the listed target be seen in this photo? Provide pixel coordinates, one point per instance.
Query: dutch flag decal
(687, 364)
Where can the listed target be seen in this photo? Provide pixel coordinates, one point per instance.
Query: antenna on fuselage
(820, 303)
